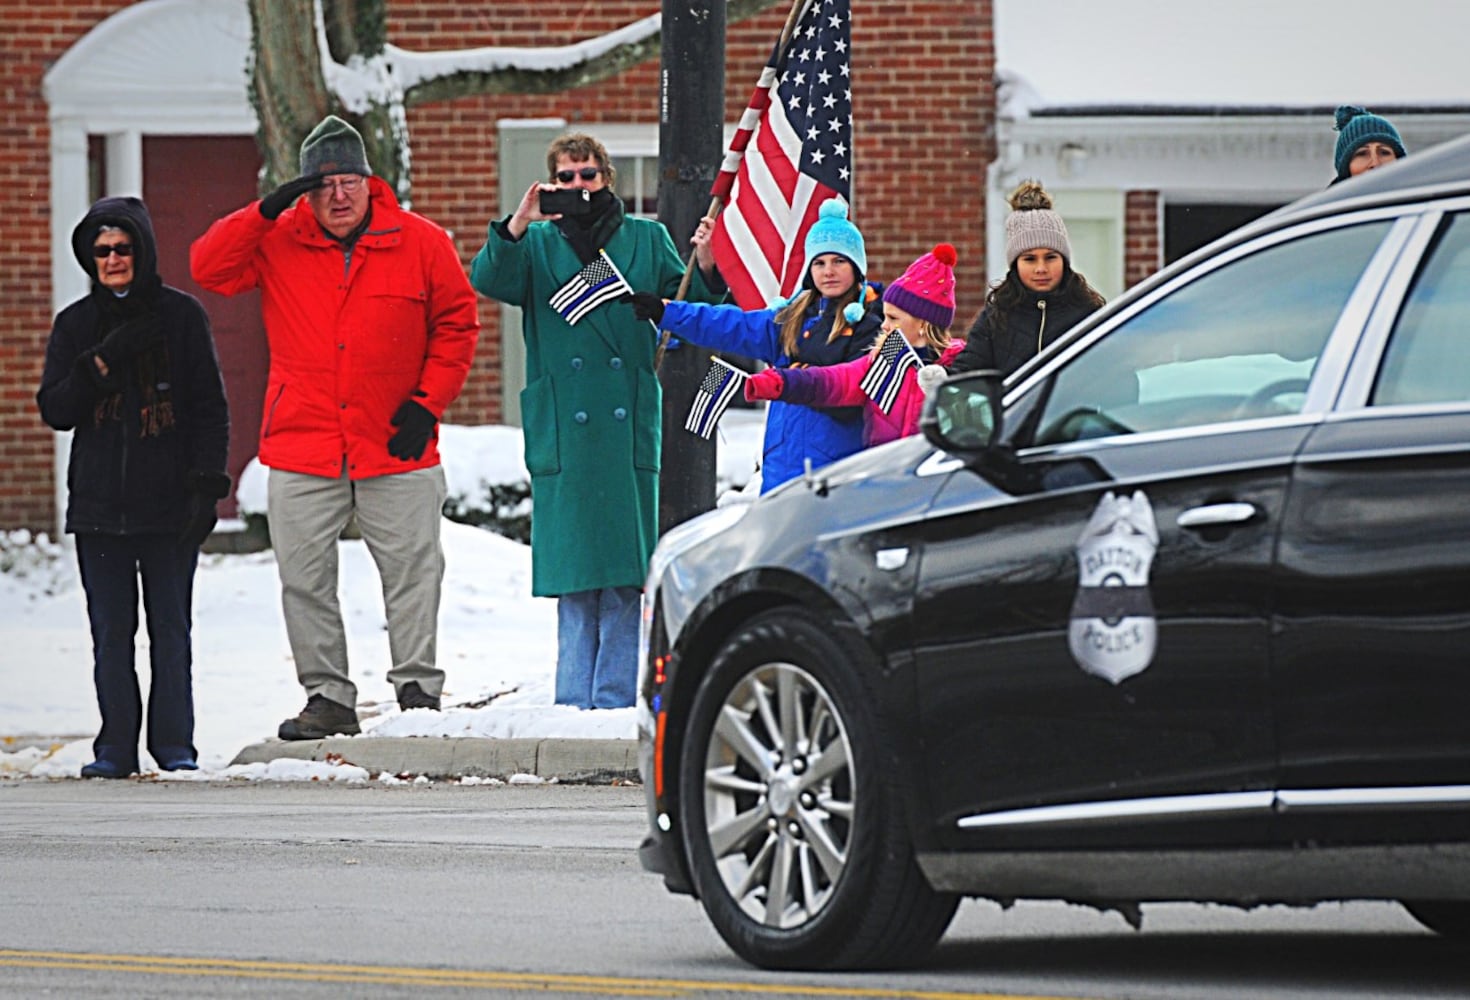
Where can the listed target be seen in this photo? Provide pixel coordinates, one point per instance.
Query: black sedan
(1181, 611)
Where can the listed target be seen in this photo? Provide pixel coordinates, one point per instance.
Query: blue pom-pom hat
(833, 233)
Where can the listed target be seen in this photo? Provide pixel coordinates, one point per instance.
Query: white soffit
(1237, 157)
(161, 66)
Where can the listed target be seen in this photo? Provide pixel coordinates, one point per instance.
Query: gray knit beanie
(334, 147)
(1032, 225)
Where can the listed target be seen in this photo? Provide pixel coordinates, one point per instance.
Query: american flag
(800, 117)
(598, 282)
(885, 377)
(719, 387)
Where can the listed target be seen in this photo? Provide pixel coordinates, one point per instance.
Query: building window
(638, 184)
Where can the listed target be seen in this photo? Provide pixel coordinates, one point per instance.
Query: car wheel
(1446, 917)
(792, 818)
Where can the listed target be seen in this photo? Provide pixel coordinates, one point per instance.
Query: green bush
(504, 508)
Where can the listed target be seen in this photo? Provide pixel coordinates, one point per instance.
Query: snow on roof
(1244, 55)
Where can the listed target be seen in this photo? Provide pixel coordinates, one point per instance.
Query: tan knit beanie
(1032, 225)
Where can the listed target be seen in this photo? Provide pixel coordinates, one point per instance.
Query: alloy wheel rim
(778, 795)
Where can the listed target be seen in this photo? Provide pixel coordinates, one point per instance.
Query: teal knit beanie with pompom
(1355, 128)
(833, 233)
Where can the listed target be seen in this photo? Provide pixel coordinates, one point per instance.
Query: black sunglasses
(102, 250)
(586, 173)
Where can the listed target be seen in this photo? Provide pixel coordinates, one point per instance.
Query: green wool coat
(592, 405)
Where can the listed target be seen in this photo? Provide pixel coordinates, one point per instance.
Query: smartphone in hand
(566, 201)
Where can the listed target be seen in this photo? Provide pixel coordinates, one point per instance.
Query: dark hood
(131, 215)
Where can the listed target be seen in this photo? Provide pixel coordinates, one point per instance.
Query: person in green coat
(591, 409)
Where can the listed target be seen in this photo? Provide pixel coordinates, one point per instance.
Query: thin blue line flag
(885, 377)
(720, 385)
(597, 282)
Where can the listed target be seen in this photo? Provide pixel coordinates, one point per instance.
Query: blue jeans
(597, 647)
(111, 566)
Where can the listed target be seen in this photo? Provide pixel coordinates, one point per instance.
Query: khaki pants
(399, 516)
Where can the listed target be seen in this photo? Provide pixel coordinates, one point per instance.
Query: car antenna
(817, 486)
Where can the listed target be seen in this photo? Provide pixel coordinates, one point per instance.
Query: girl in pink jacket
(918, 306)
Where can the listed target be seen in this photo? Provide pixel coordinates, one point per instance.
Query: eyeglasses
(586, 173)
(347, 185)
(104, 250)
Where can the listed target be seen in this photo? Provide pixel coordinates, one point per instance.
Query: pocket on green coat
(648, 422)
(538, 418)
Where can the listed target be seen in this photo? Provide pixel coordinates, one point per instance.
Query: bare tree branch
(513, 80)
(291, 79)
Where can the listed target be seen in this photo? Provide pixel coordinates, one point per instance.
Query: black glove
(205, 488)
(283, 197)
(647, 305)
(414, 424)
(131, 339)
(199, 521)
(86, 367)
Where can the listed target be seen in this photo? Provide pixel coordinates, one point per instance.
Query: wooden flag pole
(798, 9)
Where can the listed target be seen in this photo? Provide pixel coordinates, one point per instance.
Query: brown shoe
(412, 696)
(321, 718)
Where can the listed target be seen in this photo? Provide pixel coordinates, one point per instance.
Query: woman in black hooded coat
(131, 369)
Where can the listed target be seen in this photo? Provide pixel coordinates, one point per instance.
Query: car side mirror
(963, 414)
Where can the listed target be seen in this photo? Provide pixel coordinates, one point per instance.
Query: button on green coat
(592, 405)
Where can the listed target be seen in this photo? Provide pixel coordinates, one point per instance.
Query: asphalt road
(142, 889)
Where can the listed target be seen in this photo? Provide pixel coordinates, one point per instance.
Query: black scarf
(589, 233)
(151, 369)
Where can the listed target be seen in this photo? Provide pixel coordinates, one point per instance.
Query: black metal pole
(690, 145)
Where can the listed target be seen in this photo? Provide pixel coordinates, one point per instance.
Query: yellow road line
(456, 978)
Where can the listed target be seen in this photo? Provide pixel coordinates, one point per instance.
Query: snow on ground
(497, 644)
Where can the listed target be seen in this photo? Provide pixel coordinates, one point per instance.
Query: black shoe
(179, 764)
(105, 769)
(412, 696)
(321, 718)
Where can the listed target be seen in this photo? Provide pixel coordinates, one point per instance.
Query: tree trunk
(287, 88)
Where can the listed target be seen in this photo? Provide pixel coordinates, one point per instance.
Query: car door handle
(1216, 514)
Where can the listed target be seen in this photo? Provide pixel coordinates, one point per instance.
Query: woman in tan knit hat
(1038, 300)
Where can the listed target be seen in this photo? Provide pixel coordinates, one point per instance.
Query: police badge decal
(1113, 632)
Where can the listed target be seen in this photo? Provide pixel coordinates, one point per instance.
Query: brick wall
(1143, 240)
(922, 95)
(921, 92)
(34, 36)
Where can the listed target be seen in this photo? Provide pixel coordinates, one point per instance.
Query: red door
(188, 182)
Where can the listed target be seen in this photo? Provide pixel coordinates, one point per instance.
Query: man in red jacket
(372, 325)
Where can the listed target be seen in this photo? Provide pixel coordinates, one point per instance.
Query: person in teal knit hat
(1364, 141)
(832, 318)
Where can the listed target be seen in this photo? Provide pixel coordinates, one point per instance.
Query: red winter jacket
(352, 335)
(841, 385)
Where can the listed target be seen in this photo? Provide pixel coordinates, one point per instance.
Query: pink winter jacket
(840, 385)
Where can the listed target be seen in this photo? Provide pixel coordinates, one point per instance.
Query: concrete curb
(587, 761)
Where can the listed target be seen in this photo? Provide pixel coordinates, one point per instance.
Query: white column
(69, 202)
(125, 163)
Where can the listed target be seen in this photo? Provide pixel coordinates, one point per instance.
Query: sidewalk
(592, 761)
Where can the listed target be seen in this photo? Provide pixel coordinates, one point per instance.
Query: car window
(1236, 343)
(1425, 360)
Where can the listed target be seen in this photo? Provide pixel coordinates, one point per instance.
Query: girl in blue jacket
(834, 318)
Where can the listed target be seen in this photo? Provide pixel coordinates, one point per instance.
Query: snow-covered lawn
(497, 644)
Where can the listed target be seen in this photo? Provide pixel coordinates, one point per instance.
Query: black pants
(111, 567)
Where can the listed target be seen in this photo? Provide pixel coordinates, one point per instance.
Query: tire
(1446, 917)
(793, 822)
